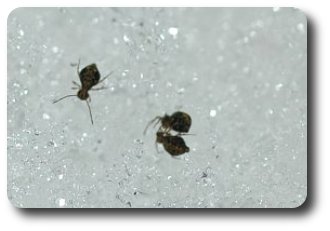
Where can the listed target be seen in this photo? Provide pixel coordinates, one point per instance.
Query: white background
(312, 215)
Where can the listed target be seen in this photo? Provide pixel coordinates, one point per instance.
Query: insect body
(178, 121)
(89, 77)
(174, 145)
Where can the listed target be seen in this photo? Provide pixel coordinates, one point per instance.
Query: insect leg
(75, 83)
(166, 130)
(105, 77)
(78, 66)
(156, 145)
(185, 134)
(159, 119)
(98, 88)
(145, 130)
(90, 111)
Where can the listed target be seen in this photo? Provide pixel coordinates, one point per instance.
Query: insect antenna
(90, 111)
(145, 130)
(55, 101)
(186, 134)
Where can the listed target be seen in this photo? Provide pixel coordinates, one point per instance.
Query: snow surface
(241, 73)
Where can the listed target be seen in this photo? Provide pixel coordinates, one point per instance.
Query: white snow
(248, 65)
